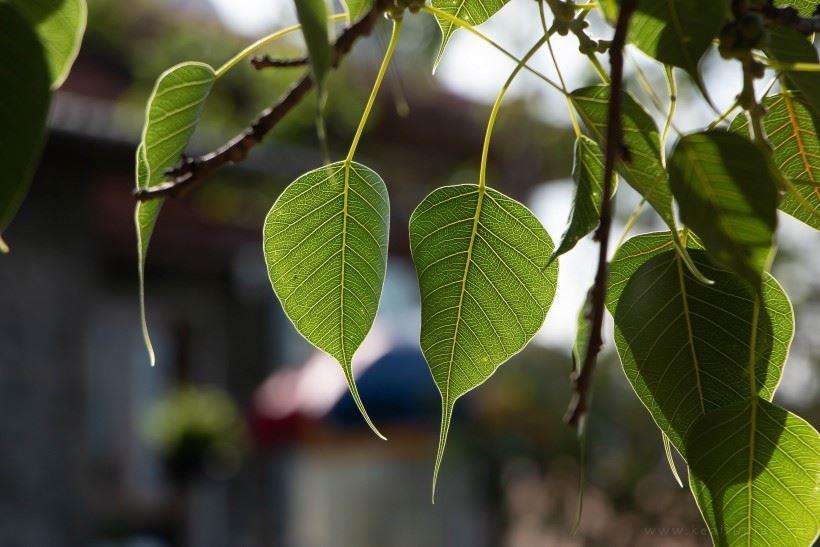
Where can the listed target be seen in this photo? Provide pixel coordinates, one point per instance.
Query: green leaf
(473, 12)
(644, 171)
(312, 16)
(727, 192)
(684, 346)
(325, 244)
(357, 8)
(789, 46)
(481, 260)
(588, 173)
(583, 330)
(792, 128)
(171, 117)
(754, 469)
(60, 25)
(24, 100)
(804, 7)
(677, 32)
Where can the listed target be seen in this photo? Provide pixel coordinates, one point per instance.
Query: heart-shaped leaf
(60, 25)
(312, 16)
(789, 46)
(677, 32)
(684, 345)
(24, 100)
(171, 117)
(588, 174)
(644, 169)
(481, 260)
(357, 8)
(727, 192)
(325, 244)
(473, 12)
(792, 128)
(754, 469)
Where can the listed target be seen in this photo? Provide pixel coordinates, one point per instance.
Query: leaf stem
(482, 176)
(470, 28)
(391, 48)
(548, 33)
(673, 101)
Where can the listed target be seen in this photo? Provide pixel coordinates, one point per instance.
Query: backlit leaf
(805, 7)
(171, 117)
(60, 25)
(357, 8)
(754, 469)
(684, 346)
(792, 128)
(325, 245)
(481, 260)
(473, 12)
(24, 100)
(789, 46)
(312, 16)
(588, 174)
(727, 192)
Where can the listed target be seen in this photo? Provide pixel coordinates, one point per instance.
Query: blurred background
(243, 435)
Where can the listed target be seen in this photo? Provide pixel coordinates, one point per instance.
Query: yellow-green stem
(670, 115)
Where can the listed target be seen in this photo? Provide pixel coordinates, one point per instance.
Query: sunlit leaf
(684, 345)
(644, 169)
(24, 100)
(804, 7)
(171, 117)
(357, 8)
(60, 25)
(312, 16)
(481, 260)
(789, 46)
(588, 174)
(325, 244)
(754, 469)
(727, 192)
(792, 128)
(473, 12)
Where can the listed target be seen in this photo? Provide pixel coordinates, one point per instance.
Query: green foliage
(313, 18)
(24, 100)
(325, 244)
(792, 128)
(685, 346)
(804, 7)
(753, 469)
(357, 8)
(588, 173)
(473, 12)
(170, 119)
(60, 24)
(789, 46)
(481, 260)
(727, 193)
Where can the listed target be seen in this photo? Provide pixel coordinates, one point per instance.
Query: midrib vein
(753, 417)
(345, 193)
(798, 138)
(689, 332)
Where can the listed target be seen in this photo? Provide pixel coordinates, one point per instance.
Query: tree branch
(266, 61)
(191, 171)
(615, 151)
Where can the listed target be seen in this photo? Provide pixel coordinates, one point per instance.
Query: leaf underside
(727, 193)
(792, 129)
(754, 471)
(789, 46)
(481, 260)
(684, 346)
(473, 12)
(325, 245)
(24, 100)
(171, 117)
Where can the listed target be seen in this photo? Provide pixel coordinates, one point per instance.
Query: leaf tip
(446, 415)
(4, 248)
(354, 392)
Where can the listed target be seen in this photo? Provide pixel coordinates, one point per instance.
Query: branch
(191, 171)
(615, 151)
(266, 61)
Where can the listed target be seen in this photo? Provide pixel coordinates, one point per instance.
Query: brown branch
(615, 151)
(191, 171)
(266, 61)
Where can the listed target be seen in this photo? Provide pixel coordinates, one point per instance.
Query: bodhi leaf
(754, 469)
(789, 46)
(24, 100)
(357, 8)
(473, 12)
(312, 16)
(325, 244)
(60, 25)
(792, 128)
(804, 7)
(684, 346)
(481, 260)
(171, 117)
(588, 174)
(726, 189)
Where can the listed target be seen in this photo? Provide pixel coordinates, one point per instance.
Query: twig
(266, 61)
(191, 171)
(615, 150)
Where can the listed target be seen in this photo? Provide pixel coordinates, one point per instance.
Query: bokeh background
(243, 435)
